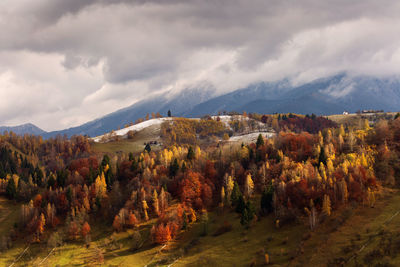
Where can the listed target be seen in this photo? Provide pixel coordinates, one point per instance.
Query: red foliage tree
(37, 202)
(190, 187)
(117, 225)
(162, 234)
(85, 229)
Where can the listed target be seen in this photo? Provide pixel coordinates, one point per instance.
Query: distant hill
(325, 96)
(27, 128)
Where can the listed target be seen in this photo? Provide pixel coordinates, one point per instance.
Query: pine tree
(174, 168)
(244, 218)
(247, 214)
(147, 148)
(134, 165)
(11, 189)
(241, 205)
(322, 156)
(235, 194)
(190, 155)
(267, 200)
(260, 141)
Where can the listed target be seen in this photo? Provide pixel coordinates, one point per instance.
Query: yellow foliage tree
(326, 205)
(249, 185)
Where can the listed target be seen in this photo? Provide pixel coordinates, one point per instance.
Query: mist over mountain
(325, 96)
(161, 103)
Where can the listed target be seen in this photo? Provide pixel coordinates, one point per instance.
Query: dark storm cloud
(97, 56)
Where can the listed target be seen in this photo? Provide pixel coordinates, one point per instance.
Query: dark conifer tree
(260, 141)
(147, 148)
(190, 154)
(174, 168)
(236, 193)
(11, 189)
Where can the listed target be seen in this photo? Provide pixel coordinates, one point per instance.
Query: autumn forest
(310, 169)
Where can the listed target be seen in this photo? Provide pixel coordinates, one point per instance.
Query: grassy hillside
(134, 145)
(357, 119)
(350, 236)
(9, 213)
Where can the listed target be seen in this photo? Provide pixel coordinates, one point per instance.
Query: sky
(63, 63)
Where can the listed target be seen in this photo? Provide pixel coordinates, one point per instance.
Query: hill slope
(161, 103)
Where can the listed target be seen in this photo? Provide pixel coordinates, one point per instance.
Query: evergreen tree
(241, 205)
(267, 200)
(185, 221)
(260, 141)
(11, 189)
(322, 156)
(190, 155)
(236, 193)
(247, 214)
(174, 168)
(169, 113)
(134, 165)
(251, 211)
(244, 218)
(92, 175)
(51, 182)
(183, 168)
(62, 177)
(105, 161)
(147, 148)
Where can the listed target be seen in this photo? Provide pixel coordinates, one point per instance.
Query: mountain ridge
(323, 96)
(26, 128)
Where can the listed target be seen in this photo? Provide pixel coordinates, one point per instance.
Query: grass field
(357, 119)
(134, 145)
(351, 235)
(9, 214)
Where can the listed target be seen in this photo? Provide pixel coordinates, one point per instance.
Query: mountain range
(27, 128)
(324, 96)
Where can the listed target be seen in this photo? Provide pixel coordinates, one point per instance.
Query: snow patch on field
(228, 118)
(136, 128)
(251, 137)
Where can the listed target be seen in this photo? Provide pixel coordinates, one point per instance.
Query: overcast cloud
(63, 63)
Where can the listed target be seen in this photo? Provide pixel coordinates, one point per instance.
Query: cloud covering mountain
(324, 96)
(67, 62)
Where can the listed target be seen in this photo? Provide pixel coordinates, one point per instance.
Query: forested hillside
(155, 206)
